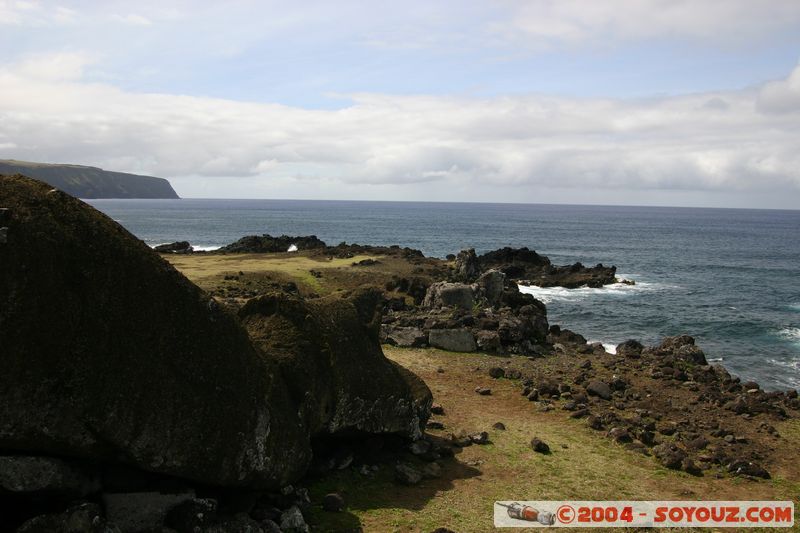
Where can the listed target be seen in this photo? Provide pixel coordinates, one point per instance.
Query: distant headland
(91, 182)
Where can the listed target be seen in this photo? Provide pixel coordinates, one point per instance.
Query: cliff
(91, 182)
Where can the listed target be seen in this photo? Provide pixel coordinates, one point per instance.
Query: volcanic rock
(109, 354)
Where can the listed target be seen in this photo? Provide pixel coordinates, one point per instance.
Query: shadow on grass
(379, 490)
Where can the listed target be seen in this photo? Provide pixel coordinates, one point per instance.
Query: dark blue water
(730, 277)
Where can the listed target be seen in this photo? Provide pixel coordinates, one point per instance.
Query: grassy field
(582, 464)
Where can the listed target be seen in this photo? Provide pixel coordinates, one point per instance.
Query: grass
(582, 465)
(207, 270)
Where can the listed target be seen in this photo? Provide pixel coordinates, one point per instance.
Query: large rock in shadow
(110, 354)
(329, 355)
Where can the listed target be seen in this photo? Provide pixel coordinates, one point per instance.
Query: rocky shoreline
(132, 400)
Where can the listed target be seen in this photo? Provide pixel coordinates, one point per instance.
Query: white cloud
(543, 23)
(781, 96)
(53, 67)
(33, 13)
(132, 19)
(738, 140)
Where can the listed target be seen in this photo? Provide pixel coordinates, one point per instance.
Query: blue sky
(633, 102)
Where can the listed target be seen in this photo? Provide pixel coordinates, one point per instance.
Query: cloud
(53, 67)
(544, 23)
(33, 13)
(781, 96)
(735, 140)
(132, 19)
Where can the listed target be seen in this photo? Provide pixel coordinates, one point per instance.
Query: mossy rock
(109, 354)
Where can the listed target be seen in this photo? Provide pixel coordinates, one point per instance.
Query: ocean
(728, 277)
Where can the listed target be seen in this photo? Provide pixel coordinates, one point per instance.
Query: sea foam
(553, 294)
(790, 334)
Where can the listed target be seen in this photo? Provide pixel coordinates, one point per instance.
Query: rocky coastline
(133, 400)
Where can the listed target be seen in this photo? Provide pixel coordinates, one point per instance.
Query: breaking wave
(552, 294)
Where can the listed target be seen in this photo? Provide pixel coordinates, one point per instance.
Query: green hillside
(91, 182)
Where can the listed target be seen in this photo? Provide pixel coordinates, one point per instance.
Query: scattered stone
(497, 372)
(747, 468)
(483, 391)
(406, 474)
(533, 395)
(697, 444)
(479, 438)
(191, 515)
(437, 409)
(579, 413)
(513, 374)
(549, 388)
(137, 511)
(405, 337)
(688, 466)
(452, 340)
(461, 440)
(646, 437)
(333, 502)
(539, 446)
(499, 426)
(600, 389)
(669, 455)
(595, 422)
(630, 348)
(667, 428)
(620, 435)
(292, 521)
(434, 424)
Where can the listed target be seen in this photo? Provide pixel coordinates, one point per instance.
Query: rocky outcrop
(259, 244)
(467, 268)
(452, 340)
(444, 294)
(534, 269)
(110, 355)
(491, 315)
(180, 247)
(665, 401)
(329, 355)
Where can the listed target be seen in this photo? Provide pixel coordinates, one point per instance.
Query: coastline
(337, 387)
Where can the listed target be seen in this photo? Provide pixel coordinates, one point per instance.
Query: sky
(630, 102)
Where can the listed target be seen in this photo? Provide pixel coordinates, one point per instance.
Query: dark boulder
(353, 386)
(599, 388)
(525, 264)
(333, 502)
(180, 247)
(669, 455)
(539, 446)
(630, 348)
(747, 468)
(467, 268)
(90, 317)
(255, 244)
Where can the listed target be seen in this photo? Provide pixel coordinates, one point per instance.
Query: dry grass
(582, 465)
